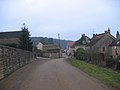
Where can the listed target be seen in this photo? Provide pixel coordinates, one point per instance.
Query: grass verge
(107, 76)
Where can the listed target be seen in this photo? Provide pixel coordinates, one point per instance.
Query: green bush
(80, 54)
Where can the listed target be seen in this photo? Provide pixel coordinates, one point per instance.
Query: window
(103, 49)
(116, 52)
(111, 57)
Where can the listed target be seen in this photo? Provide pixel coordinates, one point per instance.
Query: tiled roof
(96, 38)
(82, 41)
(70, 44)
(14, 34)
(115, 43)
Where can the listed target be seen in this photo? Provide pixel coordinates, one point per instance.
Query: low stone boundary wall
(12, 59)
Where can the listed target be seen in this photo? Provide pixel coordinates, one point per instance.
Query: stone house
(51, 51)
(10, 37)
(114, 52)
(114, 49)
(48, 51)
(82, 42)
(97, 49)
(38, 49)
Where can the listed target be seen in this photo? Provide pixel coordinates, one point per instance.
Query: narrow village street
(50, 74)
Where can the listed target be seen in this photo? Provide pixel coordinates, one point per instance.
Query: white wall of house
(39, 46)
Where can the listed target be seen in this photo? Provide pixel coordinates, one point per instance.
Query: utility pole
(59, 44)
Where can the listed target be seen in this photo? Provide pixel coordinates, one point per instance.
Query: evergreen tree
(25, 40)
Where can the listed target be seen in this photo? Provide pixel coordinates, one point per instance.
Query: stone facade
(12, 59)
(98, 48)
(114, 48)
(114, 52)
(51, 51)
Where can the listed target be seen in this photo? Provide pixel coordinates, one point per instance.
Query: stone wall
(12, 59)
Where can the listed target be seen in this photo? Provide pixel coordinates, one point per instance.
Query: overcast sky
(70, 18)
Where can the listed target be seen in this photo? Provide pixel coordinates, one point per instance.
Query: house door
(102, 56)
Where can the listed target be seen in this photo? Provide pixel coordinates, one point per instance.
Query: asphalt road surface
(54, 74)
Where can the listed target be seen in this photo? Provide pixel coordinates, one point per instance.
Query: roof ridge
(10, 31)
(95, 39)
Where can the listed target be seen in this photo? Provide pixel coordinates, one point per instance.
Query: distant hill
(45, 41)
(63, 43)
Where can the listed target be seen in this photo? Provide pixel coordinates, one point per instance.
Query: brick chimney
(108, 30)
(83, 35)
(93, 34)
(118, 35)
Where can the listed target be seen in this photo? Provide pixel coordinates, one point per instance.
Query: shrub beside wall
(80, 54)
